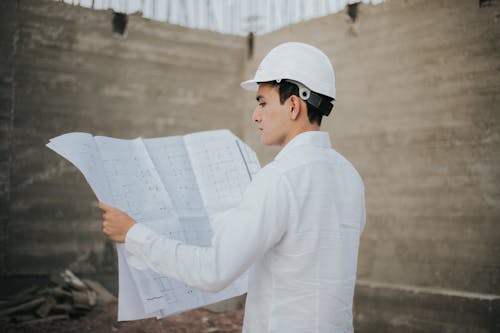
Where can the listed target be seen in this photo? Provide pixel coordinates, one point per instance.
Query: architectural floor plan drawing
(175, 185)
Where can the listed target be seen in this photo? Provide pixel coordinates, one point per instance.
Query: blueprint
(175, 185)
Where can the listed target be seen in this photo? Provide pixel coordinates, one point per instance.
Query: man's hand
(116, 223)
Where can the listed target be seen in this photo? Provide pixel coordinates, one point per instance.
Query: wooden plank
(47, 319)
(18, 298)
(23, 307)
(103, 295)
(72, 280)
(44, 309)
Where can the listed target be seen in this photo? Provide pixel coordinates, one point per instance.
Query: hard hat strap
(320, 102)
(304, 92)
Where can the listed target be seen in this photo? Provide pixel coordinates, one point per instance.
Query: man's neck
(298, 130)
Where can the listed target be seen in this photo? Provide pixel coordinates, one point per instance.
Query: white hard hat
(300, 63)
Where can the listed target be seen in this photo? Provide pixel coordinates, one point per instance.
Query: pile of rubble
(70, 297)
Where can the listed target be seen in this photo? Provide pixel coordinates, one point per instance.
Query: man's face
(271, 117)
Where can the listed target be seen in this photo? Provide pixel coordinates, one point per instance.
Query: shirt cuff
(151, 249)
(136, 237)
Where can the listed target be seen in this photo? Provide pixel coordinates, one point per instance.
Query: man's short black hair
(287, 89)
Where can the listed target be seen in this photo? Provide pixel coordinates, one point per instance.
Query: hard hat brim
(251, 85)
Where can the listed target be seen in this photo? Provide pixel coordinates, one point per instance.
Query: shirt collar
(309, 138)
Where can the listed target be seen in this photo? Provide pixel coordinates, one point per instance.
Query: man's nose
(256, 115)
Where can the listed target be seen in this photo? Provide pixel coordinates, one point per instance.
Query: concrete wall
(417, 113)
(62, 70)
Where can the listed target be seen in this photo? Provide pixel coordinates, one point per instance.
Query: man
(299, 222)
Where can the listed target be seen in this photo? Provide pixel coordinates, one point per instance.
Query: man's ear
(295, 107)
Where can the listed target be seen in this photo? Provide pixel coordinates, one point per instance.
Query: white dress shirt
(297, 227)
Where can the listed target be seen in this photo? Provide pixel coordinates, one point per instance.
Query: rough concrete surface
(64, 71)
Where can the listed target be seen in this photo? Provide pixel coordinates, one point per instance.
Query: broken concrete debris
(68, 297)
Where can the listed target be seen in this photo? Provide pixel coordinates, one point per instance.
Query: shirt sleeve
(242, 235)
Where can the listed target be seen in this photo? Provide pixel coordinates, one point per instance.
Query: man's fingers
(108, 224)
(107, 228)
(115, 223)
(108, 215)
(103, 206)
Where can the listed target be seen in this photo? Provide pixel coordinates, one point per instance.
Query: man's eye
(262, 104)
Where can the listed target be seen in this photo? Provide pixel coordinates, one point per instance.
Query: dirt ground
(102, 319)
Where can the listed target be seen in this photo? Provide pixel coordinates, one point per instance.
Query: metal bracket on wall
(120, 24)
(486, 3)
